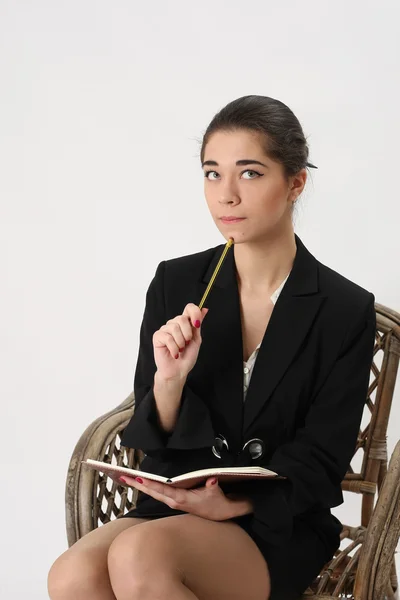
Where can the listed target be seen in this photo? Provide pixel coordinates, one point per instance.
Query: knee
(75, 576)
(138, 564)
(123, 568)
(138, 550)
(125, 555)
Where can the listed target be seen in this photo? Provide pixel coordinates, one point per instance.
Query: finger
(163, 493)
(185, 323)
(194, 313)
(197, 320)
(212, 482)
(174, 329)
(163, 339)
(160, 488)
(126, 479)
(186, 327)
(204, 311)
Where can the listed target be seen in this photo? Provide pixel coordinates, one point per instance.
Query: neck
(263, 265)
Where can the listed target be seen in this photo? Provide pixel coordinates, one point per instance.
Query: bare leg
(213, 560)
(81, 573)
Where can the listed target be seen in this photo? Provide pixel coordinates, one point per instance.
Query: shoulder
(346, 301)
(334, 283)
(346, 298)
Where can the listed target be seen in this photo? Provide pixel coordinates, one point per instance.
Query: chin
(237, 237)
(250, 238)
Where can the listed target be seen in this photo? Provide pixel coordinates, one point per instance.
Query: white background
(102, 108)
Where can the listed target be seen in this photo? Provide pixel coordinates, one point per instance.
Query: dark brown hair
(282, 134)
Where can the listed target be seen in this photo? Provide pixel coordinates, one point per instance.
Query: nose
(228, 192)
(229, 199)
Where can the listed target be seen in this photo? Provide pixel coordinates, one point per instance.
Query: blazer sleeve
(316, 461)
(194, 427)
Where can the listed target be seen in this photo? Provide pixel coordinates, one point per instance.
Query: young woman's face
(257, 192)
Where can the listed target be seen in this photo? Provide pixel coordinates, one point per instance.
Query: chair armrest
(81, 517)
(381, 537)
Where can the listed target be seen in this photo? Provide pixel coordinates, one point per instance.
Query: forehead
(229, 146)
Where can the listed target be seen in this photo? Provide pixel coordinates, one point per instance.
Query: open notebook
(186, 480)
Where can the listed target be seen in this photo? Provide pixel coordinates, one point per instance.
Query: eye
(251, 171)
(206, 173)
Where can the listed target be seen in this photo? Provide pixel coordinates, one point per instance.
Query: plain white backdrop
(102, 108)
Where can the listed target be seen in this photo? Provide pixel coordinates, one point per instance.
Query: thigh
(103, 536)
(88, 556)
(81, 571)
(216, 560)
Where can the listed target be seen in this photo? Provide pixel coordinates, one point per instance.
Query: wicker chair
(363, 568)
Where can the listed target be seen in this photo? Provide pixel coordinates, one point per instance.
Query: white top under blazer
(249, 364)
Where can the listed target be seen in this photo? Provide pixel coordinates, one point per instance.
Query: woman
(305, 336)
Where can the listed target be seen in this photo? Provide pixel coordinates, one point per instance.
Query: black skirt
(292, 566)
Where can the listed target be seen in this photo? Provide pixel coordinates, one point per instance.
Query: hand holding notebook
(186, 480)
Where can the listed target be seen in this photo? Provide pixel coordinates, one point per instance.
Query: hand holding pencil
(177, 343)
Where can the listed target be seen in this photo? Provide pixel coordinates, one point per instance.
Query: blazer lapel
(289, 324)
(293, 315)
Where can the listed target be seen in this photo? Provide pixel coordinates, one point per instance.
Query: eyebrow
(244, 161)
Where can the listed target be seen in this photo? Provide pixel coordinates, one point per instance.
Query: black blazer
(306, 394)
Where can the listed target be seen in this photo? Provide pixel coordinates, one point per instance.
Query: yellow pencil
(217, 268)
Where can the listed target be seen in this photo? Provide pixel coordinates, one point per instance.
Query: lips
(232, 218)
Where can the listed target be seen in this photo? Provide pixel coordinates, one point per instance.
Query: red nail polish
(214, 481)
(181, 349)
(188, 342)
(197, 323)
(177, 356)
(139, 479)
